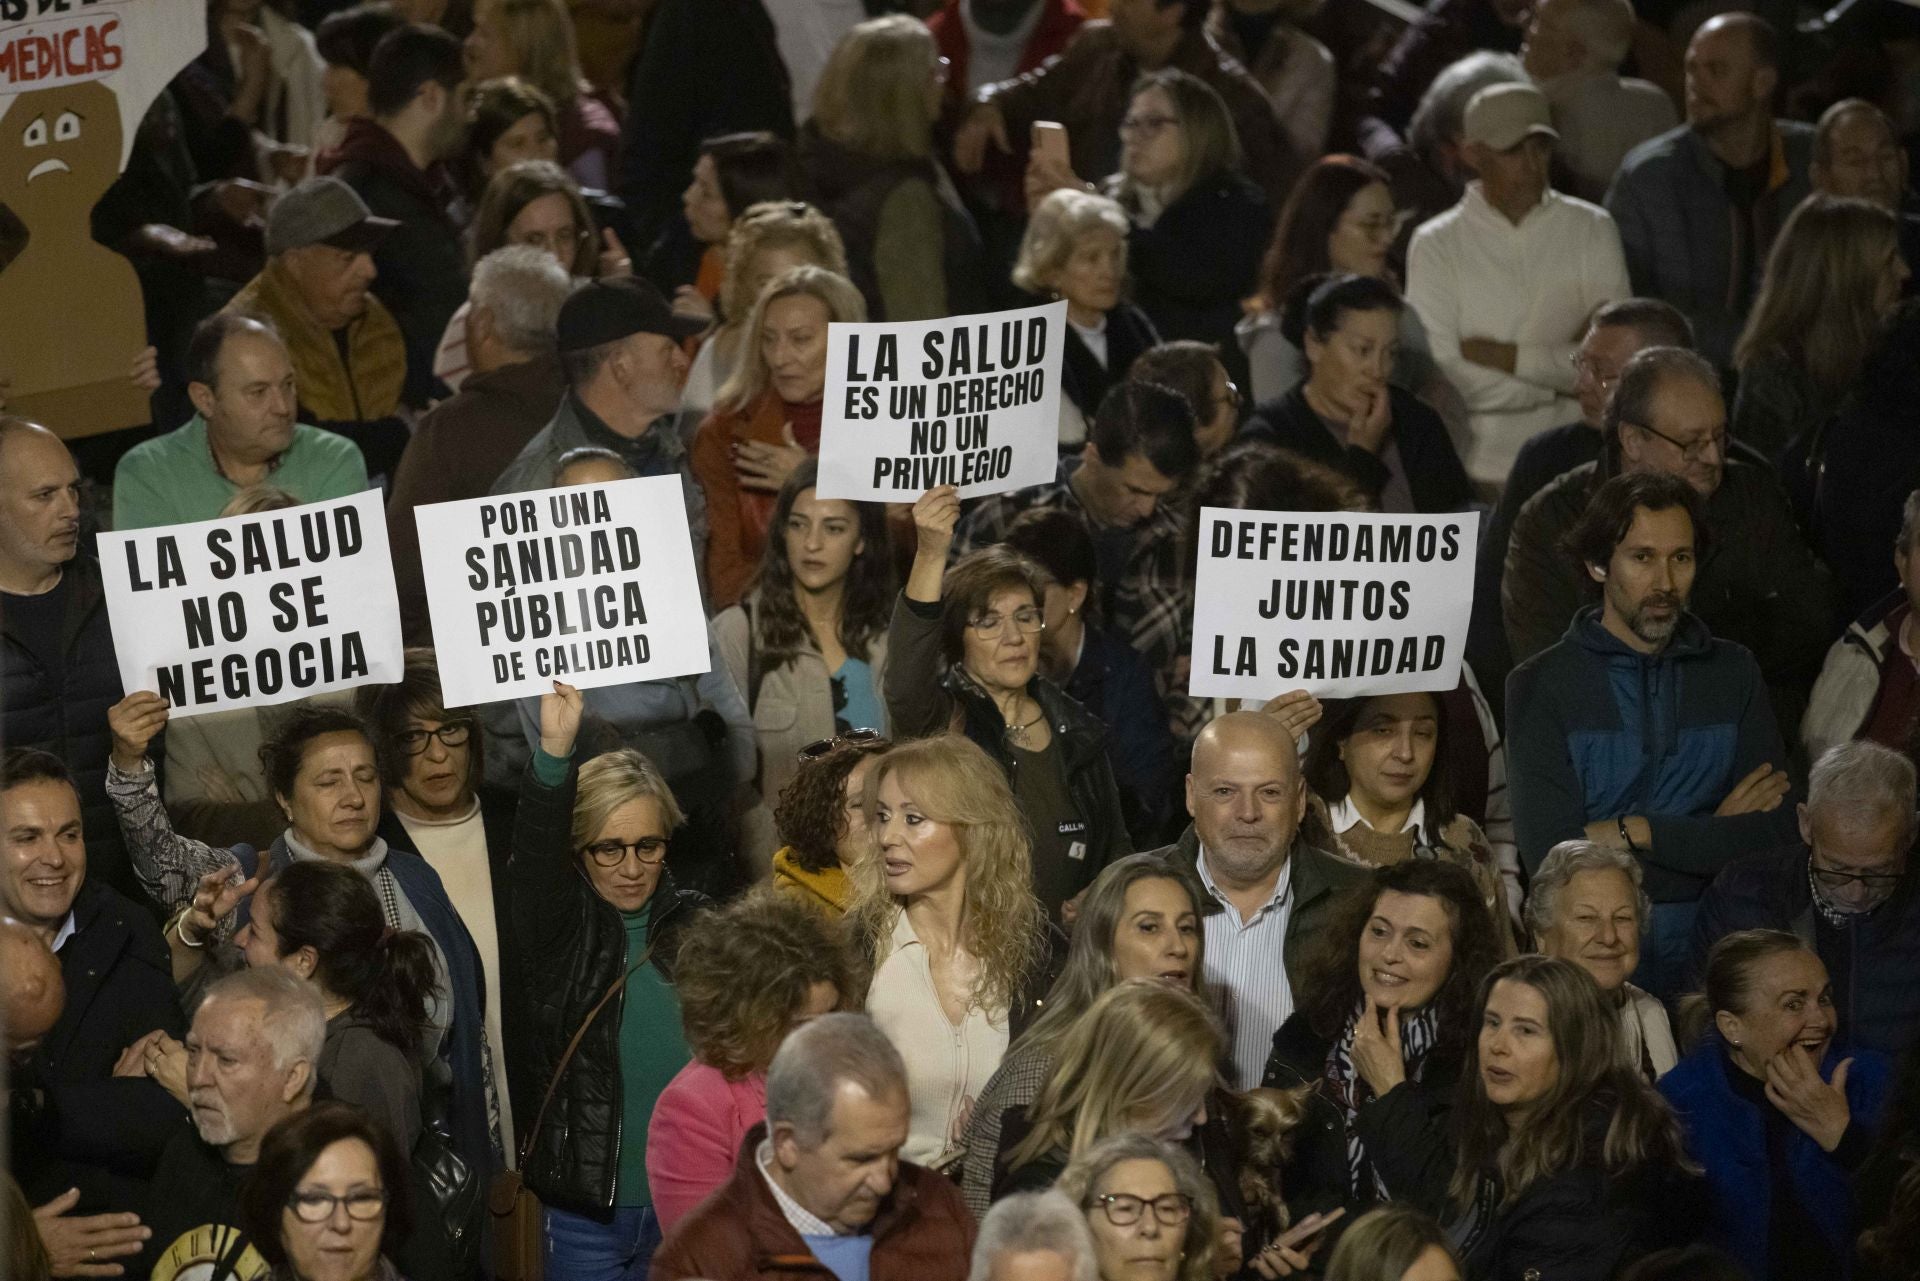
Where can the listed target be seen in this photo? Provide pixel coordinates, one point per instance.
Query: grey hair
(1859, 781)
(1605, 27)
(815, 1060)
(1567, 860)
(294, 1021)
(588, 454)
(1657, 323)
(1442, 112)
(1909, 522)
(522, 288)
(1057, 224)
(1027, 1222)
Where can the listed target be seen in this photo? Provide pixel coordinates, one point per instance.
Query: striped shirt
(1247, 969)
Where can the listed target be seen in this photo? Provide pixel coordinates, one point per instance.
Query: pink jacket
(695, 1136)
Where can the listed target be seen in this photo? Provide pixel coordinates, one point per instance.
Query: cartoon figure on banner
(72, 87)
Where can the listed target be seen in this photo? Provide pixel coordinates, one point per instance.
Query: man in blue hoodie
(1639, 730)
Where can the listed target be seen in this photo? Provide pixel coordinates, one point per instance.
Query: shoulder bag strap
(566, 1056)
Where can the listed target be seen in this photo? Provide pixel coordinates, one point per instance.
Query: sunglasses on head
(852, 738)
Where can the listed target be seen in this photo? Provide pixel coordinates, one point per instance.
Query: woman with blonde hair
(944, 913)
(748, 974)
(1833, 276)
(1153, 1213)
(769, 239)
(599, 922)
(1394, 1243)
(533, 39)
(773, 401)
(1075, 248)
(1143, 1058)
(868, 155)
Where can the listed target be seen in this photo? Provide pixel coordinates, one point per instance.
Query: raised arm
(916, 705)
(169, 865)
(546, 888)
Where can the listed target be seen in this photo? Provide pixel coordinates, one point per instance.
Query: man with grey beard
(1639, 730)
(250, 1061)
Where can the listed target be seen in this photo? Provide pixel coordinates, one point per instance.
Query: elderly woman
(1075, 248)
(1586, 905)
(322, 768)
(328, 1198)
(1776, 1109)
(767, 240)
(748, 974)
(983, 623)
(822, 819)
(944, 914)
(1029, 1224)
(599, 921)
(1153, 1213)
(766, 421)
(1567, 1163)
(1347, 414)
(1381, 1033)
(868, 152)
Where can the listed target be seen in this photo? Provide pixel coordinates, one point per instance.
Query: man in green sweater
(241, 381)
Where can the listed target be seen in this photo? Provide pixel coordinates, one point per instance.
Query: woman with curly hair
(822, 819)
(944, 914)
(748, 974)
(1153, 1213)
(1381, 1032)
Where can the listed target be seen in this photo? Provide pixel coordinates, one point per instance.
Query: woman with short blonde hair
(868, 152)
(945, 906)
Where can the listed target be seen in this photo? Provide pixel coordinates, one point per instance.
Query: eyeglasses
(650, 850)
(1831, 880)
(1146, 124)
(1124, 1211)
(1028, 620)
(452, 734)
(1585, 368)
(1693, 451)
(852, 738)
(318, 1207)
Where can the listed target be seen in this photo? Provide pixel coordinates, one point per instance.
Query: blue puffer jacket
(1599, 730)
(1727, 1135)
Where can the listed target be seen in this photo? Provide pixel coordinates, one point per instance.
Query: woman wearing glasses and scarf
(596, 917)
(981, 624)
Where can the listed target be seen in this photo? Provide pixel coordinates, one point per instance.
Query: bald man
(1269, 890)
(31, 990)
(1698, 207)
(1856, 152)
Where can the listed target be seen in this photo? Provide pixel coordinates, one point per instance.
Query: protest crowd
(645, 865)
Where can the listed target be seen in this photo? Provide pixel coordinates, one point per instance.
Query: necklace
(1018, 733)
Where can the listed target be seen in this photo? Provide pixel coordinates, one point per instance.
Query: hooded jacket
(1873, 960)
(1600, 731)
(573, 947)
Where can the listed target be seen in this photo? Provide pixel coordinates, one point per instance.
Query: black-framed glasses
(852, 738)
(1692, 451)
(1027, 620)
(1834, 880)
(651, 850)
(363, 1206)
(1123, 1211)
(452, 734)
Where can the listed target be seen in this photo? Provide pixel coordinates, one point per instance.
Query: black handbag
(454, 1197)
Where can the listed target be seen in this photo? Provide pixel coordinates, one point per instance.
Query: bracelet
(1628, 836)
(180, 931)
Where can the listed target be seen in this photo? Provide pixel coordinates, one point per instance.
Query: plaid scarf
(1417, 1035)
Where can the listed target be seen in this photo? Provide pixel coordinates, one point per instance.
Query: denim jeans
(616, 1249)
(1666, 950)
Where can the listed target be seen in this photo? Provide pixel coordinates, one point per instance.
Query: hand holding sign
(135, 721)
(561, 710)
(935, 513)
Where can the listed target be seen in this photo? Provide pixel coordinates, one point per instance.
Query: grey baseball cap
(324, 211)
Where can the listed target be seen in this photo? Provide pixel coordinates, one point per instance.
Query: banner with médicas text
(972, 401)
(591, 584)
(1341, 604)
(249, 611)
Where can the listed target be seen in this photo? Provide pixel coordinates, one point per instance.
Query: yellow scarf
(326, 392)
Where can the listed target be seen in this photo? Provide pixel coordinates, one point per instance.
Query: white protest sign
(1340, 604)
(592, 585)
(249, 611)
(972, 401)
